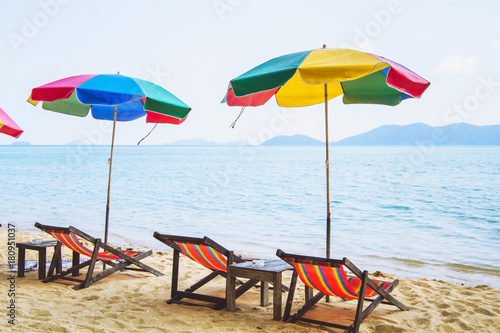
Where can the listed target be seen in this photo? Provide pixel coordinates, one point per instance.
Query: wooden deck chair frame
(117, 260)
(176, 294)
(311, 299)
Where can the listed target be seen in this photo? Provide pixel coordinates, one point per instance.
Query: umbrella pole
(328, 220)
(109, 178)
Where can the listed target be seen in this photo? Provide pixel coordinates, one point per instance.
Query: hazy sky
(193, 48)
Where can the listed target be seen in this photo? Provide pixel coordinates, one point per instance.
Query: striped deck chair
(329, 278)
(207, 253)
(117, 260)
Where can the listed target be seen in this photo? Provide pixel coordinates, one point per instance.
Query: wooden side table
(270, 272)
(42, 256)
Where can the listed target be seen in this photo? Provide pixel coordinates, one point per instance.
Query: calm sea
(418, 211)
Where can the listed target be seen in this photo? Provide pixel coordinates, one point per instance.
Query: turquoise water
(418, 211)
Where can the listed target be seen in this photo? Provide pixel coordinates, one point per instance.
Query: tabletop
(34, 246)
(269, 265)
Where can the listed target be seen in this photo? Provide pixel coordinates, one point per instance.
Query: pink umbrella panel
(8, 126)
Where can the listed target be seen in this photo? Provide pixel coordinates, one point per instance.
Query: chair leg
(113, 268)
(203, 281)
(369, 309)
(175, 275)
(308, 305)
(289, 300)
(90, 270)
(177, 295)
(386, 293)
(131, 260)
(62, 275)
(359, 310)
(56, 257)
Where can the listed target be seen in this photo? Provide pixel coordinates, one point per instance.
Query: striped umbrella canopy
(316, 76)
(111, 97)
(8, 126)
(107, 95)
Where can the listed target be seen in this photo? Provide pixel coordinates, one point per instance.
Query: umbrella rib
(234, 122)
(138, 143)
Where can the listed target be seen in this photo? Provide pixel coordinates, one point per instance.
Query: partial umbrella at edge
(8, 126)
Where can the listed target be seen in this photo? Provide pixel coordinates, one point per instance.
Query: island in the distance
(386, 135)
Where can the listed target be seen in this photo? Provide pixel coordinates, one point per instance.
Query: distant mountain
(203, 142)
(20, 143)
(294, 140)
(78, 143)
(387, 135)
(455, 134)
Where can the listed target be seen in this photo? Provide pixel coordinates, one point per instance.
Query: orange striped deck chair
(208, 253)
(328, 277)
(117, 260)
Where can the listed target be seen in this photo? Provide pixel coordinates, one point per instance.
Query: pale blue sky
(193, 48)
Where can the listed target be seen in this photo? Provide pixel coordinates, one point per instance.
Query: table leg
(309, 293)
(277, 296)
(230, 292)
(264, 293)
(58, 261)
(76, 261)
(20, 262)
(42, 258)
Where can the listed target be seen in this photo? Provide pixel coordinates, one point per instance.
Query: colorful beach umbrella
(8, 126)
(316, 76)
(111, 97)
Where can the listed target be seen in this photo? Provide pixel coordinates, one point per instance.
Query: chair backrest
(202, 250)
(328, 275)
(204, 255)
(70, 239)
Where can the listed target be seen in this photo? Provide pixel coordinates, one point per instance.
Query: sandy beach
(135, 302)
